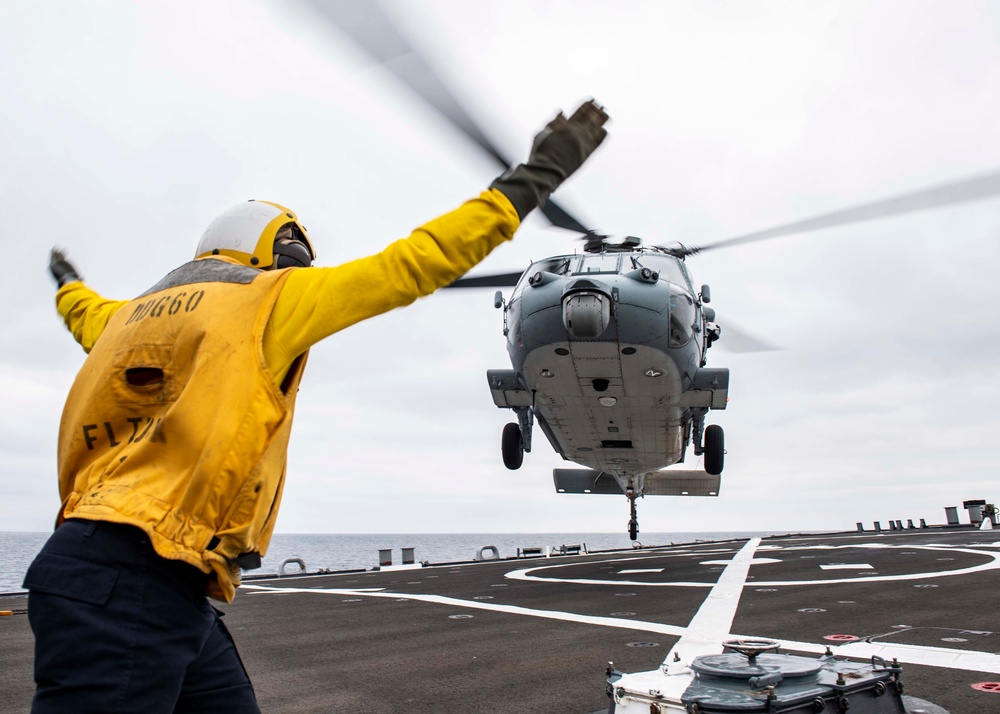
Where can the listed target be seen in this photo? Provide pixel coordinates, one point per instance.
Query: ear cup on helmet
(291, 255)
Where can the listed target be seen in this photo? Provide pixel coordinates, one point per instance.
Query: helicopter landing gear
(715, 449)
(633, 523)
(512, 446)
(516, 438)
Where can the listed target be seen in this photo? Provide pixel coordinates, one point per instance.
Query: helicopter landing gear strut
(633, 522)
(714, 445)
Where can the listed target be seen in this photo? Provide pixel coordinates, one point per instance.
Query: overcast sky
(127, 127)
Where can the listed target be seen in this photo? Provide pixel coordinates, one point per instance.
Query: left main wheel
(512, 447)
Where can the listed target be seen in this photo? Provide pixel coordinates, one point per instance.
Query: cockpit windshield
(604, 263)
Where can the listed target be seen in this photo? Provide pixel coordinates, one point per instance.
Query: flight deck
(537, 634)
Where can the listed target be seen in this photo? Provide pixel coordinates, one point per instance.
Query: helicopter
(609, 344)
(609, 354)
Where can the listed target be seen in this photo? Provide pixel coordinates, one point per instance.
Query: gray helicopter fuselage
(611, 348)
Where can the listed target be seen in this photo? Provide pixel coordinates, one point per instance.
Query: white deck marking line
(636, 571)
(714, 619)
(756, 561)
(642, 626)
(706, 632)
(846, 566)
(943, 657)
(970, 660)
(994, 564)
(258, 589)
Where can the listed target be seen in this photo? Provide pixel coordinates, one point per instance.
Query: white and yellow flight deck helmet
(247, 232)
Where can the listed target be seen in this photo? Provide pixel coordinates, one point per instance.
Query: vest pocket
(76, 579)
(145, 375)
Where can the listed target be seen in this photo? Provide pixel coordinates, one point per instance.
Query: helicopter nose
(586, 314)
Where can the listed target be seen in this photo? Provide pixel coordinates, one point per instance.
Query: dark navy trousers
(120, 629)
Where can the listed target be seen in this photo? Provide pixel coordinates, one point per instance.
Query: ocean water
(341, 551)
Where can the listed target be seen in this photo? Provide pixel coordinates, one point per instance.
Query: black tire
(512, 447)
(715, 449)
(633, 530)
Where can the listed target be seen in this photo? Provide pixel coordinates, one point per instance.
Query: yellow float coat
(178, 422)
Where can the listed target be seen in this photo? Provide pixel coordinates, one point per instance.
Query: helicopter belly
(612, 406)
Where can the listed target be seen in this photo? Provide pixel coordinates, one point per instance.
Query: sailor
(172, 445)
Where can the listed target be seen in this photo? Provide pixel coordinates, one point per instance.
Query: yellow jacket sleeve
(85, 312)
(317, 302)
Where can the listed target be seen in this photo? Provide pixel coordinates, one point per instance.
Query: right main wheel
(715, 449)
(512, 447)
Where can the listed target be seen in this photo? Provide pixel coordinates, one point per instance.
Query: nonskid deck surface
(536, 635)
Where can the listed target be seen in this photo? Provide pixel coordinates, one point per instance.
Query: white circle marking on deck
(992, 564)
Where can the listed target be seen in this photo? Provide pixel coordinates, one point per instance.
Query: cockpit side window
(670, 269)
(558, 266)
(682, 317)
(561, 265)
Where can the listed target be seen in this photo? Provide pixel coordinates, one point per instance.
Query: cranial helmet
(247, 232)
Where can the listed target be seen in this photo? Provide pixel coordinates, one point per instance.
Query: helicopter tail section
(585, 481)
(667, 482)
(670, 482)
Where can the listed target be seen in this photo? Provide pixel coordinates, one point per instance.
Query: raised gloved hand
(62, 270)
(558, 150)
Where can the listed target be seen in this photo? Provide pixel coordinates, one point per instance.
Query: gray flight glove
(558, 150)
(62, 270)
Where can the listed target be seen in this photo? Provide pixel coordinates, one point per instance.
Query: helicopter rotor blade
(974, 189)
(497, 280)
(375, 33)
(737, 340)
(560, 218)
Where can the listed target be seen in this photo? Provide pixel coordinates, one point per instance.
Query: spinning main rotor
(377, 35)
